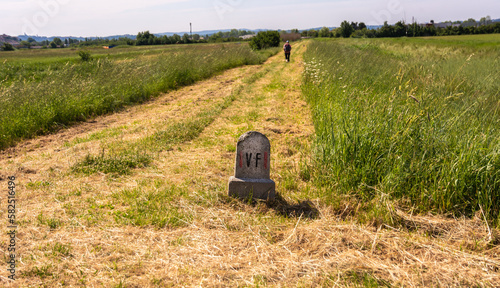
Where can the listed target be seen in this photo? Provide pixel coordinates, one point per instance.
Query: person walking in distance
(287, 48)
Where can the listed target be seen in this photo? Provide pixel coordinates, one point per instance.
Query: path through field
(169, 223)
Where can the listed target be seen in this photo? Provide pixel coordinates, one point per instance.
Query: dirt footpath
(169, 224)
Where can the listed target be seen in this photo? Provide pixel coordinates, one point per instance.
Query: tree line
(143, 38)
(401, 29)
(147, 38)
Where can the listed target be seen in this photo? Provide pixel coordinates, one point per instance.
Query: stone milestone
(253, 168)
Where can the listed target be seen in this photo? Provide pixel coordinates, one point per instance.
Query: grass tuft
(152, 208)
(41, 272)
(52, 223)
(112, 164)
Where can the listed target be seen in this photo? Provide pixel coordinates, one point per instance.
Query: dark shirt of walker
(287, 48)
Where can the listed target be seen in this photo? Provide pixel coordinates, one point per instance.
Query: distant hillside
(316, 28)
(43, 38)
(9, 39)
(204, 32)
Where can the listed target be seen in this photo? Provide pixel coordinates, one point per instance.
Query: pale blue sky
(111, 17)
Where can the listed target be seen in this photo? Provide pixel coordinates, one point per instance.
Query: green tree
(145, 38)
(53, 44)
(386, 30)
(265, 39)
(174, 39)
(485, 20)
(324, 32)
(185, 38)
(25, 44)
(415, 30)
(165, 40)
(346, 29)
(361, 25)
(58, 41)
(234, 33)
(336, 32)
(471, 22)
(312, 33)
(399, 29)
(7, 47)
(85, 55)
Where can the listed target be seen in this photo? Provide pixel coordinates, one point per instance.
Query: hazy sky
(112, 17)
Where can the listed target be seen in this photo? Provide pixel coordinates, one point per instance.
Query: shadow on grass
(302, 208)
(305, 209)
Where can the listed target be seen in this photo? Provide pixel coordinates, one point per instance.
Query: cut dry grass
(240, 245)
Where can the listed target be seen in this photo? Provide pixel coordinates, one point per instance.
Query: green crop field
(42, 90)
(407, 121)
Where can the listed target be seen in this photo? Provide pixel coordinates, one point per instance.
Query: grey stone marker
(252, 170)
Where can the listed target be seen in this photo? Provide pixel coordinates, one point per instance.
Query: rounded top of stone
(251, 134)
(253, 156)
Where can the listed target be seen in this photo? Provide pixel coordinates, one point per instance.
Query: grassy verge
(411, 121)
(37, 97)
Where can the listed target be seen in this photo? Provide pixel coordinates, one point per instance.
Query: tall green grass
(37, 97)
(414, 121)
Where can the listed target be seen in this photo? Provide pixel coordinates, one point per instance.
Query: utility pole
(191, 30)
(414, 26)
